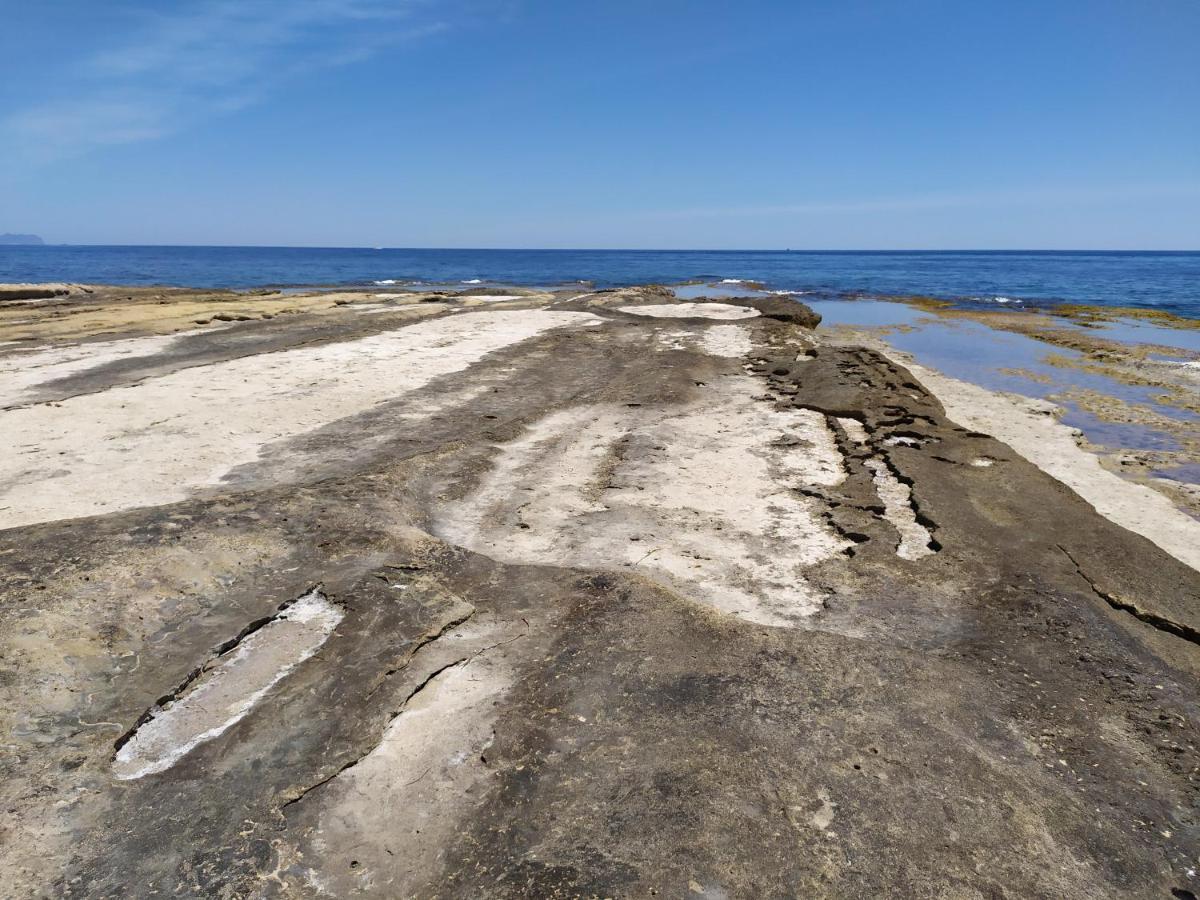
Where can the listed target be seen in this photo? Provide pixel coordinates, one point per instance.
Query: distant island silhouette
(20, 239)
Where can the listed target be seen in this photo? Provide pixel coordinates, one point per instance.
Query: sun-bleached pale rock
(690, 310)
(699, 499)
(156, 441)
(222, 696)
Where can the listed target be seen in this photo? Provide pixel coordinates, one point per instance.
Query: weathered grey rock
(781, 309)
(535, 709)
(33, 291)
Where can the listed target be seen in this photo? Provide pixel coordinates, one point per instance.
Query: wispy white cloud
(208, 58)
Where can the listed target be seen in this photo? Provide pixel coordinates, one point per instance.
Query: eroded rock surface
(532, 595)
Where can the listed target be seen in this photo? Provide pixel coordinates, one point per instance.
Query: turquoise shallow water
(973, 352)
(1168, 281)
(1134, 332)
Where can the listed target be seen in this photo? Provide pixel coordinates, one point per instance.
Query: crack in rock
(1161, 623)
(428, 638)
(219, 694)
(900, 508)
(404, 705)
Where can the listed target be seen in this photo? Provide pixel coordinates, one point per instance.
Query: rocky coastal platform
(554, 594)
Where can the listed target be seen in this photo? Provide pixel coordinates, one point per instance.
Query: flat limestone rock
(538, 595)
(783, 309)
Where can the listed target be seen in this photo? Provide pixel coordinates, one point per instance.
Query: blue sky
(555, 123)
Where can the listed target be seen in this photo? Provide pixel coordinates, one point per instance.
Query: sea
(1168, 281)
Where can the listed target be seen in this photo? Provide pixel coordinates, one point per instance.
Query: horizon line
(808, 250)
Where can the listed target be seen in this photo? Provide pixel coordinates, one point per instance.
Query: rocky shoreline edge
(573, 593)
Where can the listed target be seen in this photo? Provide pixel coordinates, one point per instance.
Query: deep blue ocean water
(1163, 280)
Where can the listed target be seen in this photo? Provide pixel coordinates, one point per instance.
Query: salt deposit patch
(691, 310)
(224, 694)
(823, 817)
(675, 340)
(718, 340)
(727, 340)
(396, 808)
(855, 430)
(156, 441)
(699, 498)
(490, 298)
(915, 540)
